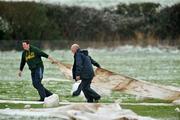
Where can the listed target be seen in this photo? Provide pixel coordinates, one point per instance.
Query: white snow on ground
(135, 49)
(157, 62)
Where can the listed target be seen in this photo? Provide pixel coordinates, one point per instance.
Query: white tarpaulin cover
(80, 111)
(107, 81)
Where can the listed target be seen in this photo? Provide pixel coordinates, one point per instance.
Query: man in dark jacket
(32, 56)
(82, 69)
(85, 52)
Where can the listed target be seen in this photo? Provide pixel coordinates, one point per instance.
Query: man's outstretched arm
(52, 60)
(94, 62)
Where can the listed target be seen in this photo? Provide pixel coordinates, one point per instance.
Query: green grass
(19, 106)
(23, 90)
(163, 112)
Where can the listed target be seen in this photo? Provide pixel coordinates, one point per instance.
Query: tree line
(136, 23)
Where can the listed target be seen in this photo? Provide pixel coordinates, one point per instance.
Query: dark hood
(85, 52)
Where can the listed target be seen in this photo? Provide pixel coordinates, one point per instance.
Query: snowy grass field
(157, 65)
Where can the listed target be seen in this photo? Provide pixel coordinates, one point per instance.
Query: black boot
(97, 99)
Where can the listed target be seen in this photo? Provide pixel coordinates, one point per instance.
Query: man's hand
(52, 60)
(98, 68)
(20, 73)
(77, 77)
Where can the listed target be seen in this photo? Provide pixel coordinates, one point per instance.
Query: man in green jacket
(32, 56)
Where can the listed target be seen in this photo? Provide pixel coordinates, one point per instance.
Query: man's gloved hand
(54, 62)
(77, 78)
(20, 73)
(97, 65)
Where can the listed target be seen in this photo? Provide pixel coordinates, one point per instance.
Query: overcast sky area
(102, 3)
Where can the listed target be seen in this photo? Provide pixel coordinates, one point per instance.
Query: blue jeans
(37, 76)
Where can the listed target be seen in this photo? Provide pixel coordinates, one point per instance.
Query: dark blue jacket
(83, 65)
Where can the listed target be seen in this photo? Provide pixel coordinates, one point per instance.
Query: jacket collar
(78, 50)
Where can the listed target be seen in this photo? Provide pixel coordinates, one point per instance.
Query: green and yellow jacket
(33, 58)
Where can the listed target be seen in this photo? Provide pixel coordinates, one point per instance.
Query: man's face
(73, 50)
(25, 46)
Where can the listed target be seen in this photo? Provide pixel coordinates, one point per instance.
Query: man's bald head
(74, 48)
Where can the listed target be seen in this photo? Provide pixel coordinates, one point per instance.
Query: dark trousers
(89, 93)
(37, 75)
